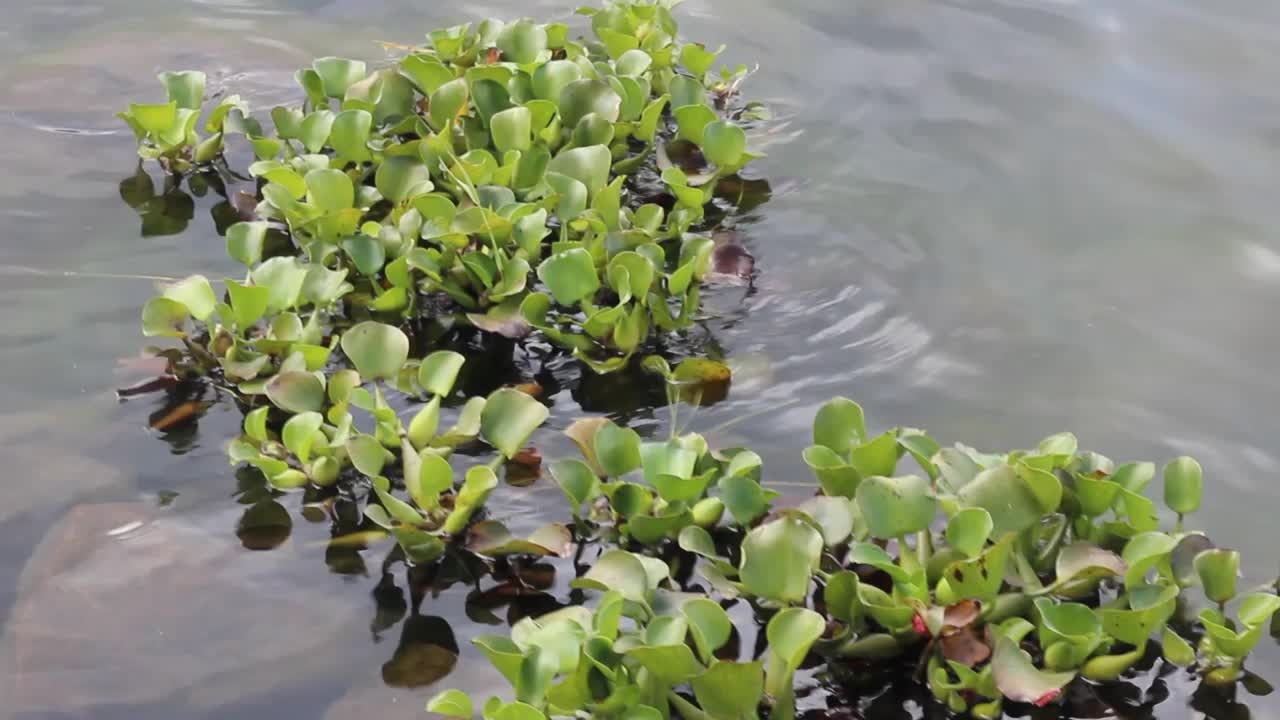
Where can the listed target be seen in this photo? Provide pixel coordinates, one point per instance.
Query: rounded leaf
(1182, 485)
(570, 275)
(779, 558)
(378, 351)
(297, 392)
(893, 507)
(582, 97)
(509, 418)
(522, 42)
(724, 143)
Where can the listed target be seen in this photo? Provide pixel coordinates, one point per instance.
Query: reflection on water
(994, 220)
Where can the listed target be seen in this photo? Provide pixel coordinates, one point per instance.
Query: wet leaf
(378, 351)
(893, 507)
(778, 559)
(1182, 485)
(296, 392)
(1021, 681)
(509, 418)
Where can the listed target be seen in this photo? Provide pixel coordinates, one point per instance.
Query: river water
(994, 220)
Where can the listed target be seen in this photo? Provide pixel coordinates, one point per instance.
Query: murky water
(993, 219)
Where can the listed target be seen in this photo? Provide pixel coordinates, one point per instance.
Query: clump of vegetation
(1001, 577)
(491, 178)
(497, 177)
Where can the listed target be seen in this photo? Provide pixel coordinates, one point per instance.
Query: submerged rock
(122, 606)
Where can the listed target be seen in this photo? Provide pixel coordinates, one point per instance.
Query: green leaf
(378, 351)
(453, 703)
(447, 102)
(154, 119)
(439, 371)
(426, 72)
(522, 42)
(512, 129)
(582, 97)
(338, 74)
(1006, 496)
(730, 690)
(248, 303)
(686, 91)
(330, 189)
(968, 530)
(979, 577)
(1143, 552)
(791, 633)
(296, 392)
(186, 89)
(509, 418)
(893, 507)
(618, 570)
(1218, 569)
(724, 144)
(283, 278)
(367, 454)
(617, 449)
(697, 59)
(570, 275)
(669, 664)
(745, 499)
(1150, 606)
(577, 481)
(1175, 649)
(709, 624)
(402, 177)
(1182, 485)
(1081, 565)
(1021, 681)
(839, 425)
(778, 559)
(833, 515)
(164, 317)
(550, 79)
(299, 433)
(316, 129)
(588, 165)
(245, 241)
(349, 136)
(434, 477)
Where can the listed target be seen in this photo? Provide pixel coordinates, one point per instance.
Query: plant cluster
(1003, 577)
(496, 177)
(488, 178)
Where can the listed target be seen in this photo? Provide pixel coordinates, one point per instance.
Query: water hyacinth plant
(489, 178)
(508, 178)
(1000, 577)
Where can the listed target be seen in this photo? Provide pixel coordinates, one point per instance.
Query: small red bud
(1047, 698)
(917, 624)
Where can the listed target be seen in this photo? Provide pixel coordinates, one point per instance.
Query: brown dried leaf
(965, 647)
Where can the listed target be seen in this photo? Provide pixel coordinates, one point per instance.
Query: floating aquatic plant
(496, 177)
(487, 178)
(1001, 577)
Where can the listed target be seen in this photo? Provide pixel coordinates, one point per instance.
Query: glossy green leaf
(578, 98)
(296, 392)
(893, 507)
(349, 135)
(730, 690)
(778, 559)
(509, 418)
(724, 144)
(522, 42)
(968, 530)
(378, 351)
(570, 275)
(1182, 485)
(338, 74)
(1217, 569)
